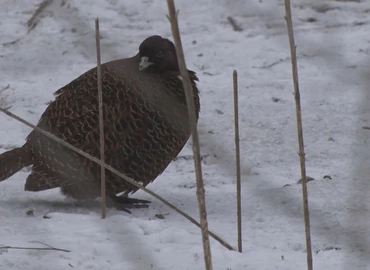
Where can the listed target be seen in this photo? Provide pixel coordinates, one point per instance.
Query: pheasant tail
(12, 161)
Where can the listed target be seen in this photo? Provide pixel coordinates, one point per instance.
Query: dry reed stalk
(293, 55)
(237, 157)
(101, 120)
(194, 133)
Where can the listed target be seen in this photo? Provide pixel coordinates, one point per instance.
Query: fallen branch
(110, 168)
(293, 55)
(194, 133)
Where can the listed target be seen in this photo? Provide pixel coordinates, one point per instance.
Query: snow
(332, 40)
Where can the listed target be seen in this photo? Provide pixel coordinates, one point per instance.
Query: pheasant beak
(144, 63)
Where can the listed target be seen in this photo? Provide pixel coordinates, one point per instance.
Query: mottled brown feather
(145, 124)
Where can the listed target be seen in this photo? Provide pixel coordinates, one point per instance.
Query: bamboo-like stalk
(293, 55)
(237, 157)
(193, 125)
(113, 170)
(101, 119)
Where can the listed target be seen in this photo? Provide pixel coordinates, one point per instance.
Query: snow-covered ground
(333, 43)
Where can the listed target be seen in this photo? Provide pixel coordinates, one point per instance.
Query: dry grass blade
(32, 22)
(237, 156)
(110, 168)
(48, 247)
(101, 119)
(193, 125)
(288, 18)
(234, 24)
(35, 248)
(3, 97)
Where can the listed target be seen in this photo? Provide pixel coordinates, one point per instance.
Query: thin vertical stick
(193, 125)
(288, 18)
(237, 156)
(101, 119)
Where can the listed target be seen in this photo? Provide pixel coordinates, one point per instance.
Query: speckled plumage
(145, 125)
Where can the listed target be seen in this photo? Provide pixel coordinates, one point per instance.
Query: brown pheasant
(145, 124)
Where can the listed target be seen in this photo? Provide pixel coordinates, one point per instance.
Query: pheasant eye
(159, 53)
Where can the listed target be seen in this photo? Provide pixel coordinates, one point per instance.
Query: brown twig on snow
(110, 168)
(35, 248)
(237, 156)
(293, 55)
(11, 42)
(31, 23)
(4, 88)
(234, 24)
(101, 120)
(48, 247)
(194, 133)
(4, 97)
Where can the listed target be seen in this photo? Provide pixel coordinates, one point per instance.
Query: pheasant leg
(124, 203)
